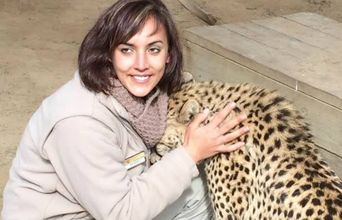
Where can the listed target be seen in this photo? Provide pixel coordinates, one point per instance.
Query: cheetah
(278, 174)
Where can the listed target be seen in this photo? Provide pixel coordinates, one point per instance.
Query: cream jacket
(72, 164)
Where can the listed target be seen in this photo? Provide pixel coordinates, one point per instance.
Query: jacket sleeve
(90, 164)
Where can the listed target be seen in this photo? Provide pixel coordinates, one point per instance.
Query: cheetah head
(176, 125)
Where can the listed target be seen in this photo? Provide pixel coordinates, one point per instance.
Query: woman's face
(140, 62)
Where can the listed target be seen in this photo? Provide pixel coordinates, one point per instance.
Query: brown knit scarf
(147, 115)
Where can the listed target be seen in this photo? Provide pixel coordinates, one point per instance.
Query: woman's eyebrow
(149, 44)
(155, 42)
(127, 44)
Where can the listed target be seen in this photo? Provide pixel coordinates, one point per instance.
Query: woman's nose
(141, 62)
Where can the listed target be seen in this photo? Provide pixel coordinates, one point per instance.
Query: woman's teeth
(141, 77)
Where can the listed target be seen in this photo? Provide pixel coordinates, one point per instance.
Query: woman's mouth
(139, 78)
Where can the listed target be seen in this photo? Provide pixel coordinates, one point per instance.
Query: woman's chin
(140, 92)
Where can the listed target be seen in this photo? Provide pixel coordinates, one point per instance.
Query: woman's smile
(142, 78)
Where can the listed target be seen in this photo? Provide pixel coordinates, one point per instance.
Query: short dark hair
(117, 25)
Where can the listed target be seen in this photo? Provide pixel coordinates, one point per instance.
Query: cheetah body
(277, 175)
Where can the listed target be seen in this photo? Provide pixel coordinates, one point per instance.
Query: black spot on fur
(273, 103)
(268, 118)
(304, 201)
(283, 113)
(279, 185)
(290, 184)
(237, 88)
(277, 143)
(296, 193)
(290, 214)
(246, 105)
(309, 212)
(298, 176)
(283, 196)
(274, 158)
(237, 99)
(281, 128)
(270, 150)
(282, 172)
(306, 187)
(316, 202)
(319, 193)
(291, 146)
(214, 91)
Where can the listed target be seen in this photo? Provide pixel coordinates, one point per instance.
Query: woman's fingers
(217, 136)
(221, 115)
(199, 119)
(228, 125)
(231, 147)
(223, 139)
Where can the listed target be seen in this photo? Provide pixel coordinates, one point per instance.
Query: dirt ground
(39, 42)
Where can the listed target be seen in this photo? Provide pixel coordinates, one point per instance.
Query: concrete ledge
(300, 55)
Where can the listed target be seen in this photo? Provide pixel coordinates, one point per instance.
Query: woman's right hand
(203, 141)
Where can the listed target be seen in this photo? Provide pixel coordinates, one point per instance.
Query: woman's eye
(126, 50)
(154, 50)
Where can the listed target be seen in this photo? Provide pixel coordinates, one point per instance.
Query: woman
(85, 151)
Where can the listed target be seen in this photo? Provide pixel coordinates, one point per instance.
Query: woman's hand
(205, 141)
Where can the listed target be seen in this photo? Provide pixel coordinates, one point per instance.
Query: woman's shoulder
(72, 93)
(70, 100)
(74, 99)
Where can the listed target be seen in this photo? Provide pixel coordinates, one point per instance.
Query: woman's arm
(90, 164)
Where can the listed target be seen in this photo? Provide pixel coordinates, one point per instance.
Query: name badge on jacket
(135, 160)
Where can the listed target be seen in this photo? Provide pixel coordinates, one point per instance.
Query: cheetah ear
(187, 77)
(188, 111)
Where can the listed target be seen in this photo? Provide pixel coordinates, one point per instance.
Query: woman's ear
(168, 58)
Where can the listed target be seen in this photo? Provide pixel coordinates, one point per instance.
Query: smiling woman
(124, 26)
(85, 151)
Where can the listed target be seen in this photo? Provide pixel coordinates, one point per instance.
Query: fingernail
(245, 129)
(206, 111)
(243, 116)
(240, 144)
(232, 104)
